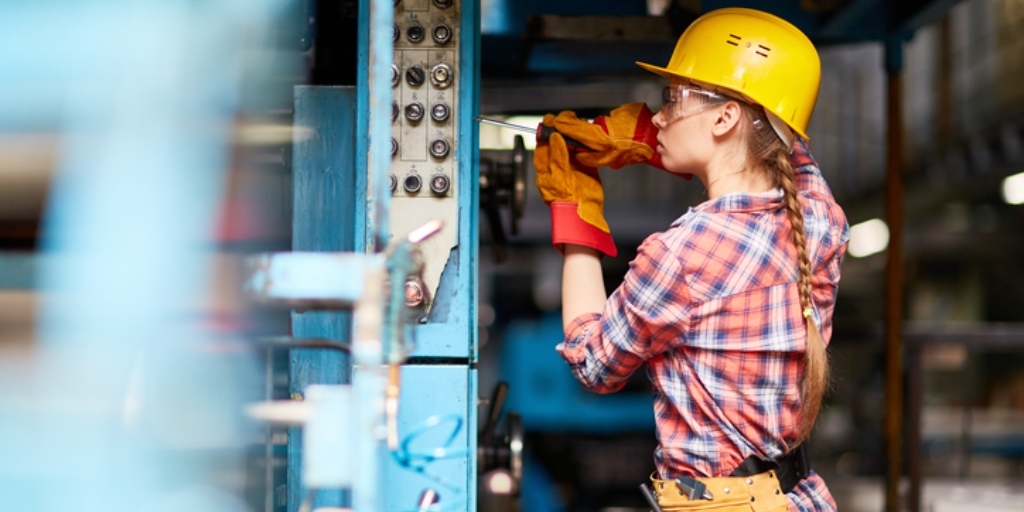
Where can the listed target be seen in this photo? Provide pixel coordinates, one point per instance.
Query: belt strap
(791, 468)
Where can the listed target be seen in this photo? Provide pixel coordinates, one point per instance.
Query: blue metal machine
(370, 165)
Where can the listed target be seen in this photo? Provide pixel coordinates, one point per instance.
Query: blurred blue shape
(543, 389)
(327, 456)
(308, 277)
(130, 403)
(540, 493)
(18, 270)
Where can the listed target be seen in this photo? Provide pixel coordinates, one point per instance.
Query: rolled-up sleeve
(645, 316)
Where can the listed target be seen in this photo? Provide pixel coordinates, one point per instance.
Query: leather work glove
(575, 195)
(624, 137)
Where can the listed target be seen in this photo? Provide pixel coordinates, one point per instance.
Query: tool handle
(544, 133)
(649, 496)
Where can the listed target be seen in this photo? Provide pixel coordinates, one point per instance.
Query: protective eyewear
(679, 101)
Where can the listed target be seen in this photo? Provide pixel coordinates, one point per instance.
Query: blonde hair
(768, 150)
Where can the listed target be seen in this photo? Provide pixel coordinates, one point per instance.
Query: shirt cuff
(573, 347)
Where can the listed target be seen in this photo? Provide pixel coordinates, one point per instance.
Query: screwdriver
(543, 132)
(651, 499)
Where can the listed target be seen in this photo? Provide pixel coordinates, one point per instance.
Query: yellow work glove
(574, 193)
(624, 137)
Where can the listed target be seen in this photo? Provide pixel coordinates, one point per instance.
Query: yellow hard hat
(755, 54)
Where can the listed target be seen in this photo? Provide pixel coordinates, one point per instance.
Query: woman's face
(685, 134)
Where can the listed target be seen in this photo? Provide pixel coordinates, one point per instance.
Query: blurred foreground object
(127, 401)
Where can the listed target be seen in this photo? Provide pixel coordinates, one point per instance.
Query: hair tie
(809, 313)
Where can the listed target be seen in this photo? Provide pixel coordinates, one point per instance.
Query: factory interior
(225, 284)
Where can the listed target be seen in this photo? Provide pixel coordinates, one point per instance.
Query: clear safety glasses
(679, 101)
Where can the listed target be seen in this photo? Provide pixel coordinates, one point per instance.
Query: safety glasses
(679, 101)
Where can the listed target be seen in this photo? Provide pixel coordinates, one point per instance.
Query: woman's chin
(675, 168)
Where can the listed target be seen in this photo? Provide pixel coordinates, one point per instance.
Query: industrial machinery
(134, 392)
(413, 442)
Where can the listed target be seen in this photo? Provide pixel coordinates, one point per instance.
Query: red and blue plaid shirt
(712, 306)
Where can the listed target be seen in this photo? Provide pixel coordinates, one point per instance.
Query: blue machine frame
(335, 181)
(323, 178)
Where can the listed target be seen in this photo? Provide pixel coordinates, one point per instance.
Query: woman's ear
(727, 118)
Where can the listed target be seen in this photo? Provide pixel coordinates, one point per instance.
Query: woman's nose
(659, 120)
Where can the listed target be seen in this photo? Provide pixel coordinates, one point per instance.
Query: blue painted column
(323, 185)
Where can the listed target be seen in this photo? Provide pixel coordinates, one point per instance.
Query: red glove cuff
(568, 228)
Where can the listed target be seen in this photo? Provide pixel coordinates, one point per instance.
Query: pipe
(894, 276)
(382, 49)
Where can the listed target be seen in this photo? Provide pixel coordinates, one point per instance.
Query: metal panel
(434, 402)
(324, 188)
(450, 258)
(449, 330)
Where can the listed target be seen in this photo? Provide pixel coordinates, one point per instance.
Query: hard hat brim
(658, 70)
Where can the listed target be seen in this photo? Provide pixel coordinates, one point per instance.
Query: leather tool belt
(791, 468)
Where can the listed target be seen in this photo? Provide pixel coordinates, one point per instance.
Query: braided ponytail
(764, 145)
(815, 379)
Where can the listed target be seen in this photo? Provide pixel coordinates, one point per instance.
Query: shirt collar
(738, 202)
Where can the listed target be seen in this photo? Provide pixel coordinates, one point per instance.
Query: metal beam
(926, 13)
(894, 278)
(852, 15)
(309, 280)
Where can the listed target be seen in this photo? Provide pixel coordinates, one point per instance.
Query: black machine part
(501, 451)
(503, 185)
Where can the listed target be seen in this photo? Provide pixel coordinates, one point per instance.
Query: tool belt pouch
(756, 485)
(755, 493)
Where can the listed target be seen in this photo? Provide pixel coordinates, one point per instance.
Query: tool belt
(790, 468)
(755, 493)
(764, 482)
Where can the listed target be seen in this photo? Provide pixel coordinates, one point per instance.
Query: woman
(731, 306)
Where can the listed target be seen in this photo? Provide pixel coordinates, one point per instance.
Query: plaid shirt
(712, 306)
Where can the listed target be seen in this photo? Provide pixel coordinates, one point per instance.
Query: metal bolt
(394, 183)
(440, 112)
(414, 112)
(412, 183)
(726, 490)
(439, 148)
(442, 34)
(394, 148)
(396, 75)
(415, 76)
(443, 4)
(441, 75)
(750, 481)
(413, 294)
(439, 184)
(415, 33)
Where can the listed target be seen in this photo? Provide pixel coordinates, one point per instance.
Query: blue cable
(419, 460)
